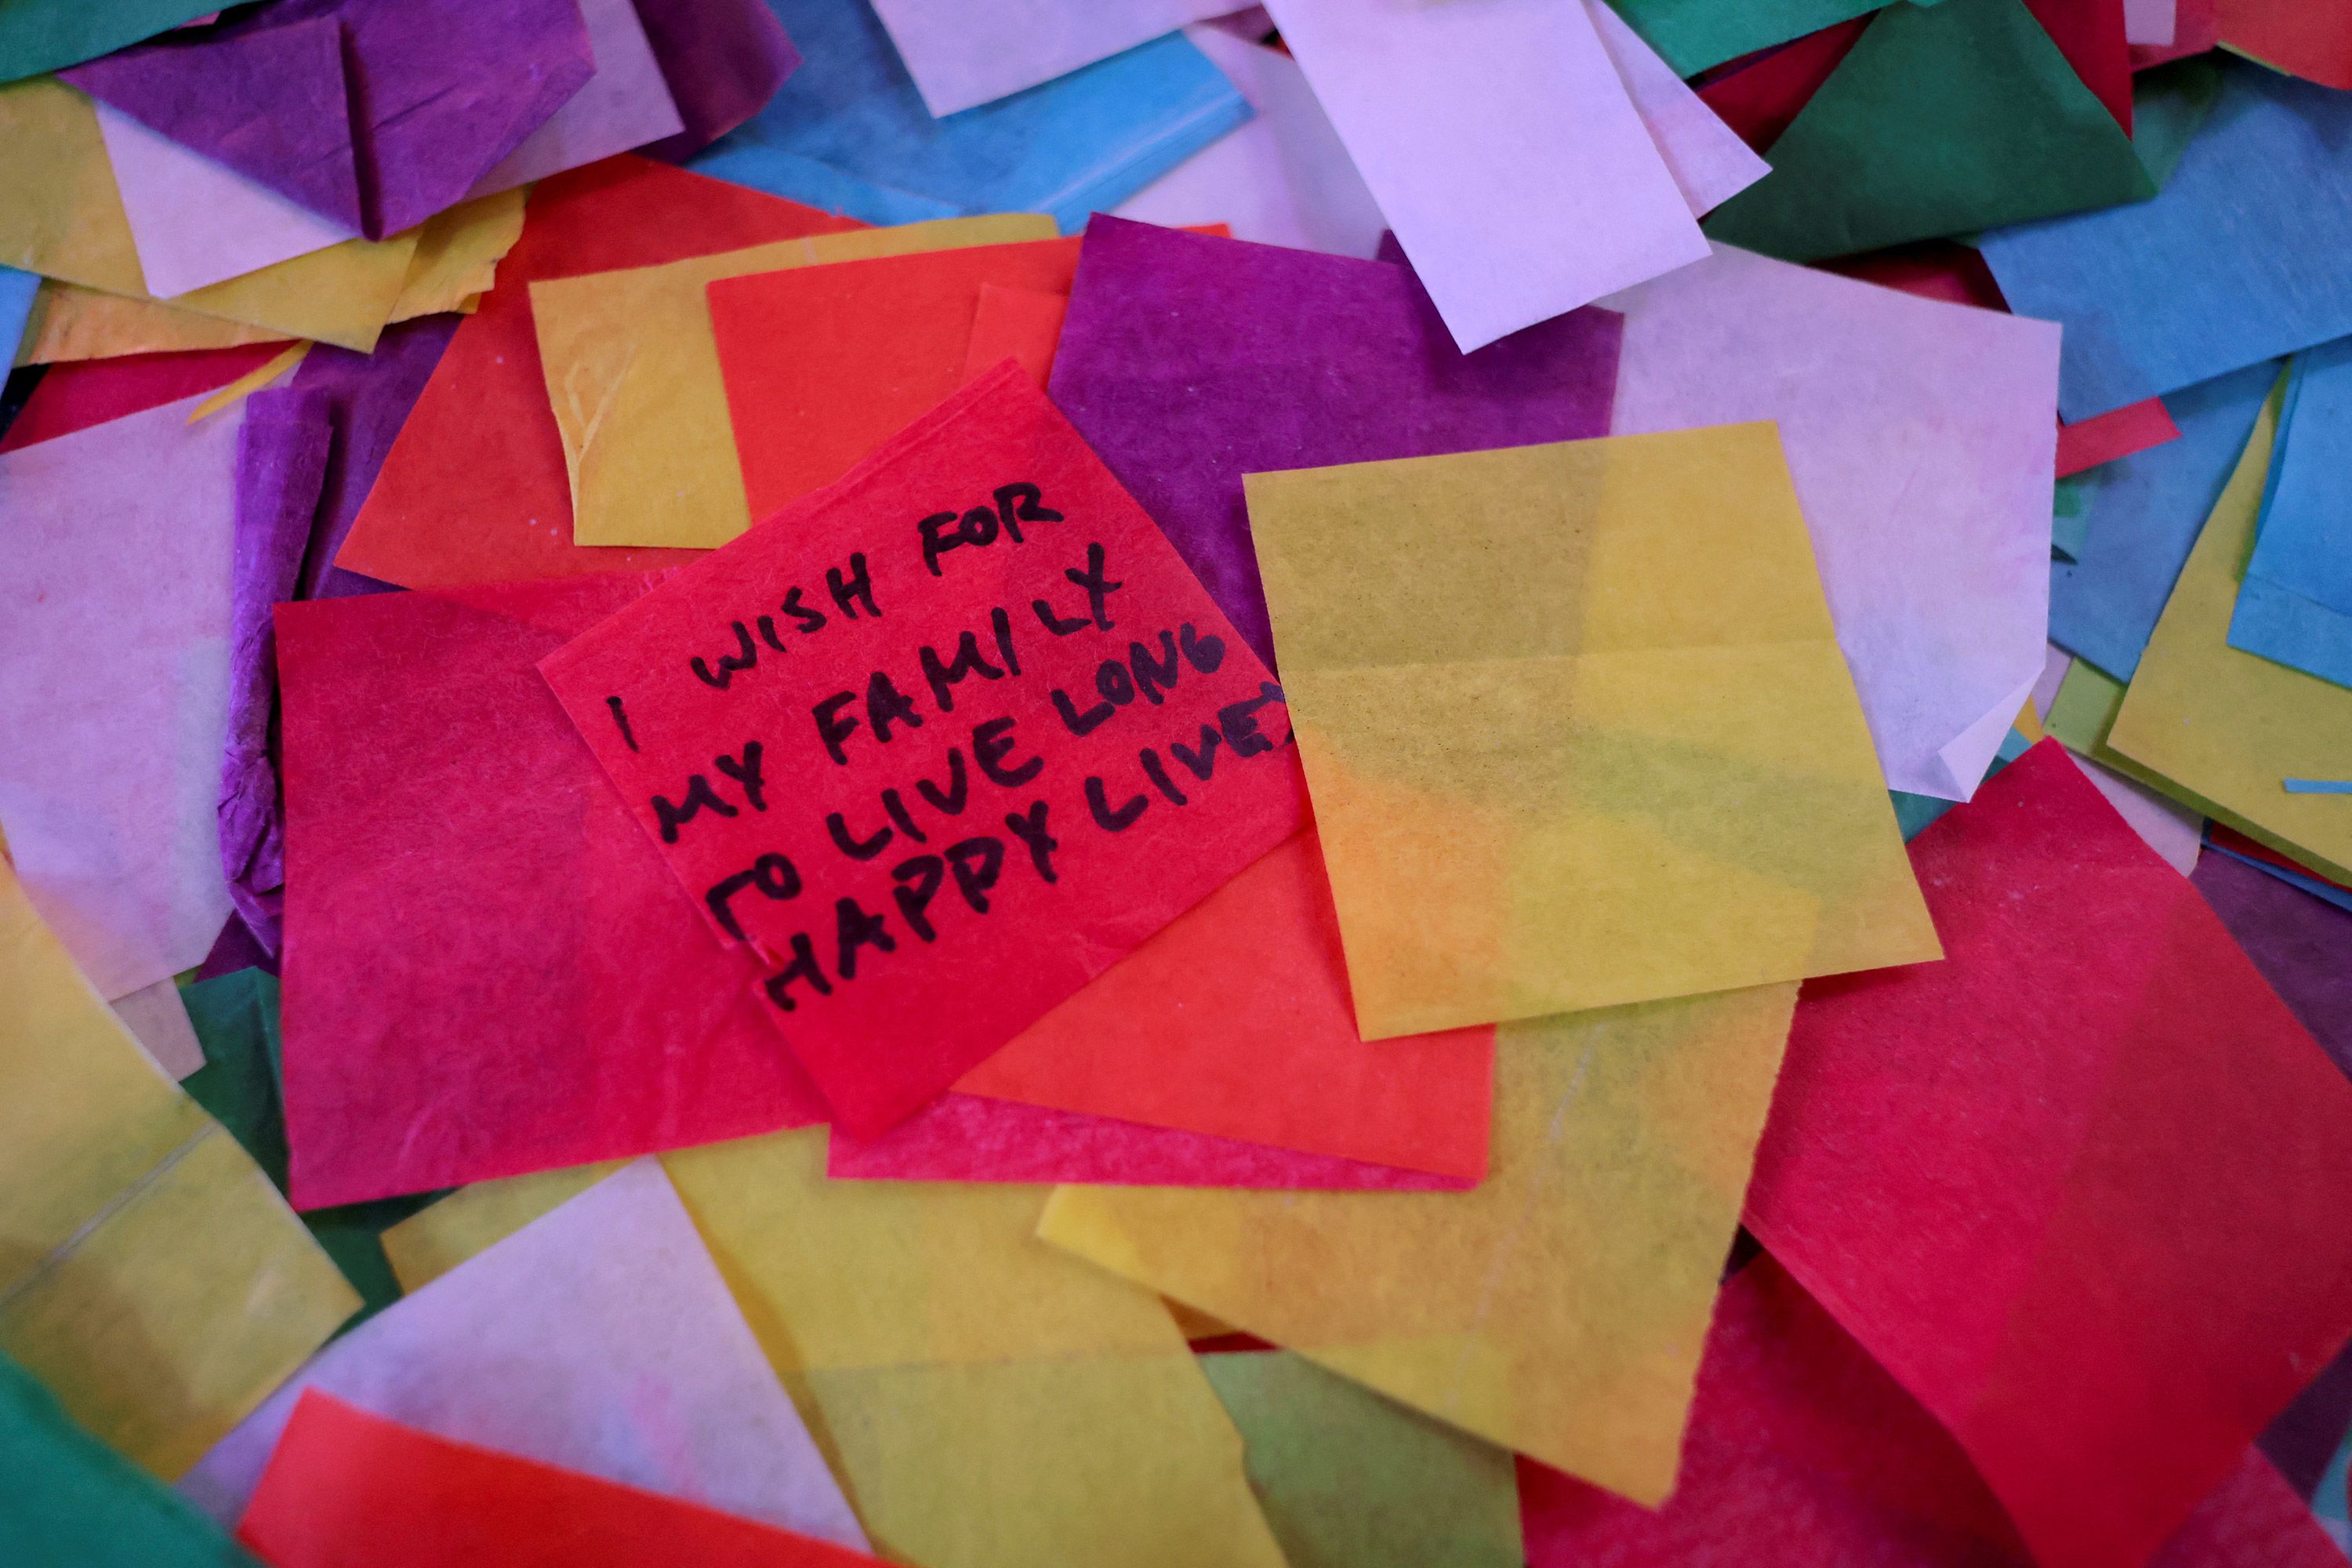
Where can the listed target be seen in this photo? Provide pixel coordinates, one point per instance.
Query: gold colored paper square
(988, 1402)
(2222, 730)
(70, 323)
(1576, 729)
(632, 368)
(1559, 1309)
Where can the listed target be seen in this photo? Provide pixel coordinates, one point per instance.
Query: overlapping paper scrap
(345, 1483)
(1705, 158)
(962, 714)
(2126, 1255)
(1187, 361)
(822, 364)
(1282, 179)
(99, 391)
(71, 1499)
(149, 1274)
(2142, 515)
(2294, 607)
(2301, 943)
(2314, 42)
(1607, 822)
(1234, 1020)
(1577, 728)
(1349, 1480)
(475, 487)
(850, 132)
(439, 1013)
(2152, 298)
(2223, 729)
(599, 1338)
(633, 374)
(1495, 139)
(1999, 126)
(43, 35)
(1559, 1309)
(987, 1402)
(1693, 34)
(195, 222)
(960, 57)
(234, 1019)
(722, 61)
(1919, 437)
(111, 766)
(375, 114)
(62, 216)
(1018, 325)
(1803, 1451)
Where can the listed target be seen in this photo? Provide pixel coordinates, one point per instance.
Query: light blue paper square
(2241, 259)
(2294, 606)
(849, 132)
(16, 291)
(2141, 515)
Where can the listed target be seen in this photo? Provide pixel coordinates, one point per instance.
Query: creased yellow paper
(455, 258)
(631, 369)
(987, 1401)
(70, 323)
(2222, 729)
(457, 254)
(342, 295)
(435, 1239)
(1559, 1309)
(61, 216)
(148, 1273)
(1576, 729)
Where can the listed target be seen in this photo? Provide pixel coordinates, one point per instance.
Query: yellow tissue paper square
(988, 1402)
(343, 295)
(60, 214)
(1561, 1308)
(2222, 730)
(439, 1236)
(632, 368)
(1576, 729)
(457, 254)
(148, 1273)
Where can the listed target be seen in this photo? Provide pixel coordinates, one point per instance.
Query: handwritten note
(940, 742)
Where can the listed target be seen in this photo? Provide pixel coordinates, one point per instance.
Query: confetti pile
(988, 784)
